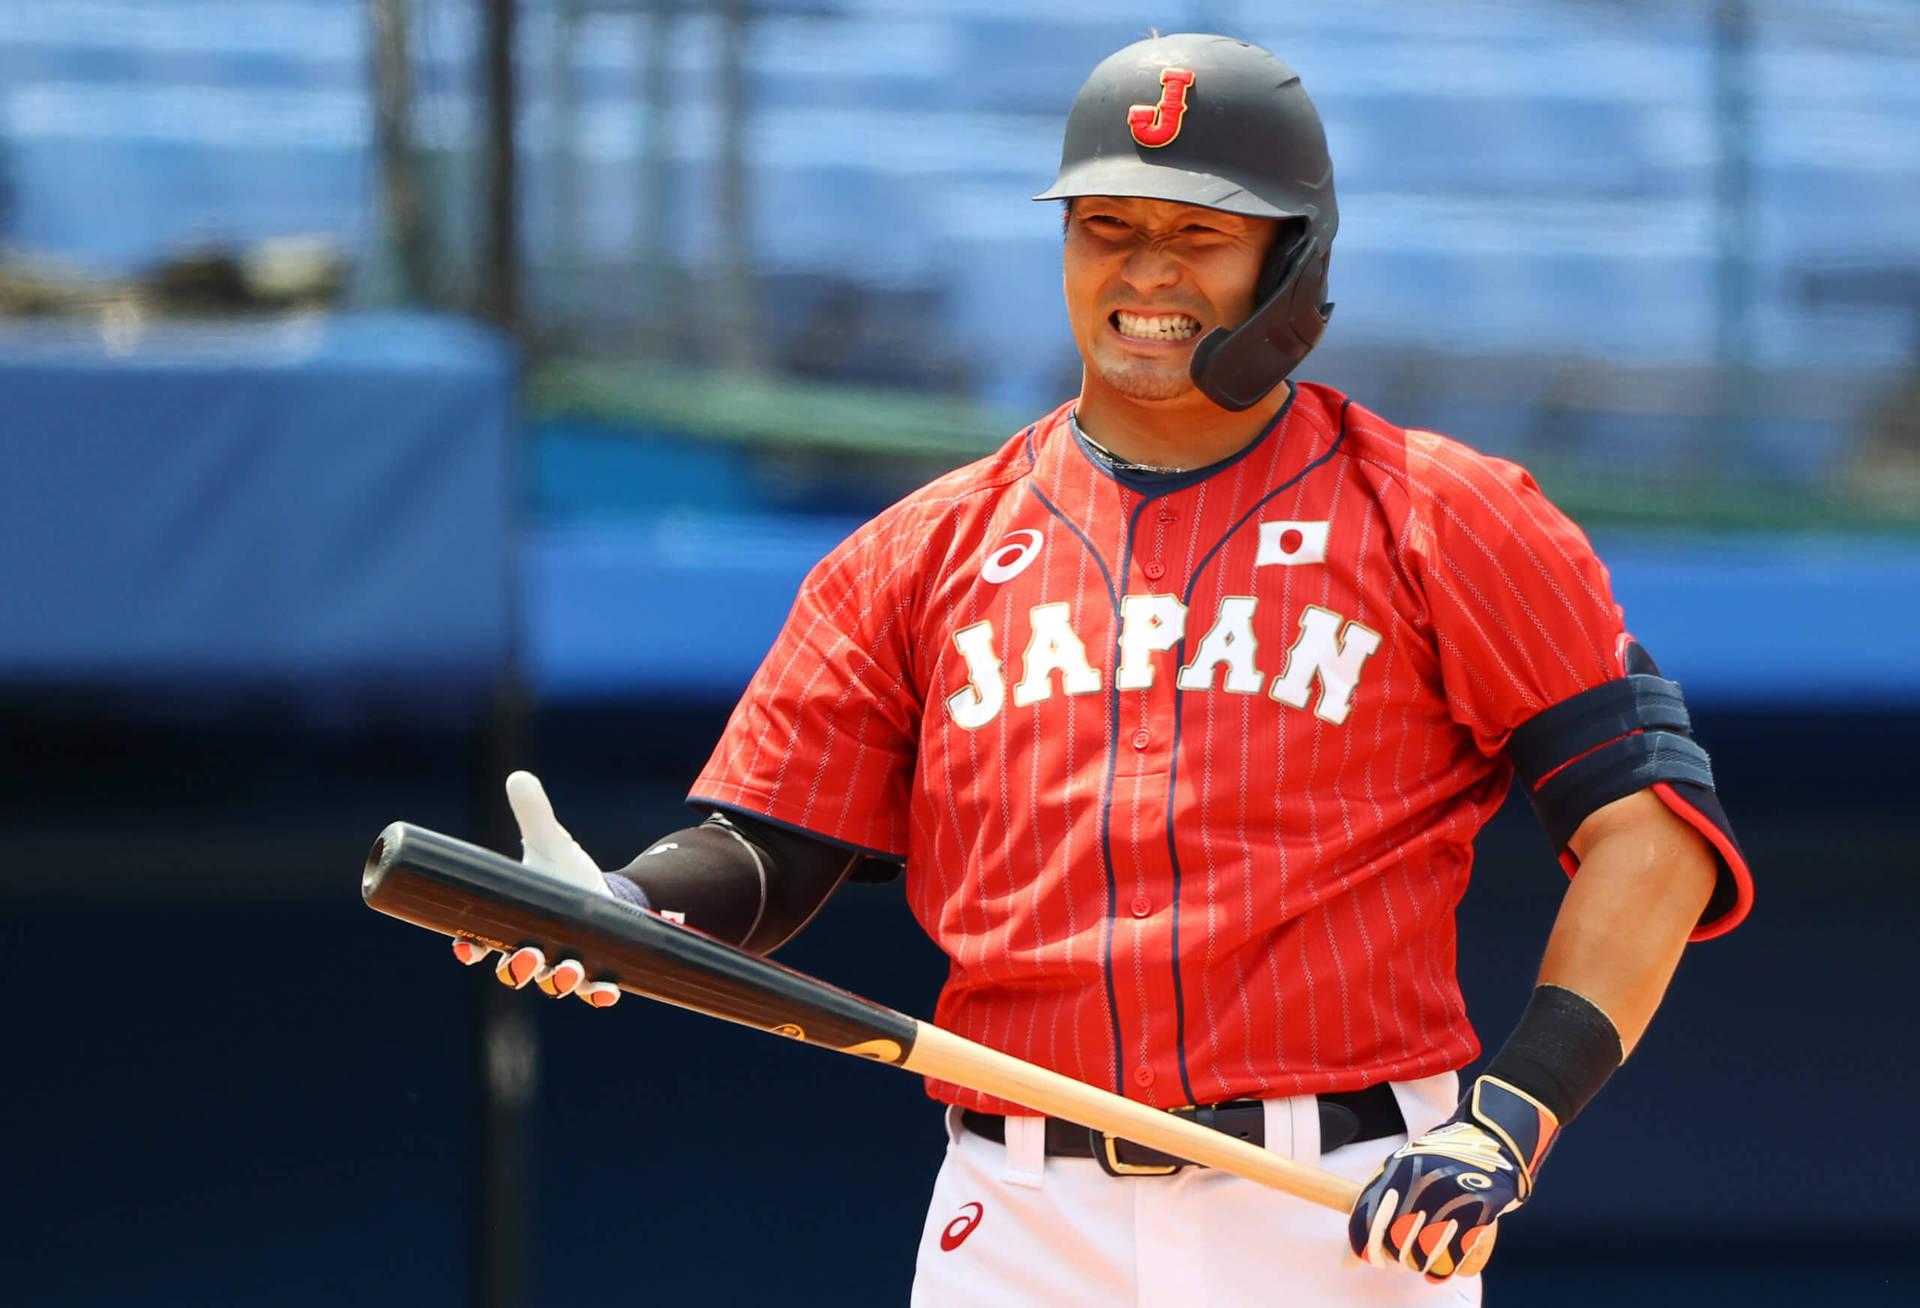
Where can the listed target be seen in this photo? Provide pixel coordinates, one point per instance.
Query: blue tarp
(325, 503)
(293, 501)
(689, 605)
(1802, 621)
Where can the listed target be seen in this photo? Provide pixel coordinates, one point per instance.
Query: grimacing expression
(1146, 279)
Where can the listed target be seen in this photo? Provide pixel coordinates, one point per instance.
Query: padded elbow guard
(1618, 738)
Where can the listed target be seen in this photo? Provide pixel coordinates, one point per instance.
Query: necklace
(1125, 465)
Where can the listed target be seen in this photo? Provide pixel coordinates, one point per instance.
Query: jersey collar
(1154, 484)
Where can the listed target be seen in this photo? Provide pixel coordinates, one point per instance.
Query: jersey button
(1141, 906)
(1142, 738)
(1155, 570)
(1143, 1076)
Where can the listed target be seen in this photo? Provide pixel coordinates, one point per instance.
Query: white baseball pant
(1009, 1226)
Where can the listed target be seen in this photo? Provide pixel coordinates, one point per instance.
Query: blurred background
(393, 392)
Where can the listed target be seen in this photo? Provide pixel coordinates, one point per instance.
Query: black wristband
(1561, 1053)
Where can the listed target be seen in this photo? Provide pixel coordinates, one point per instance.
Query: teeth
(1156, 327)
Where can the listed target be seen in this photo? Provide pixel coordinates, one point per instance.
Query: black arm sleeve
(747, 882)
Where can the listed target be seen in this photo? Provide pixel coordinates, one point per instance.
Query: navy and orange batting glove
(1434, 1204)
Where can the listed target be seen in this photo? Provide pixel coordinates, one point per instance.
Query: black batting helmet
(1216, 122)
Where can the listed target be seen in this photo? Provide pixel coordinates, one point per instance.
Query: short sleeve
(1524, 620)
(824, 739)
(1522, 611)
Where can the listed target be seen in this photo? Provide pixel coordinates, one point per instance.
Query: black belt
(1346, 1117)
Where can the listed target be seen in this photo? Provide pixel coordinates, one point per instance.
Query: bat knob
(383, 855)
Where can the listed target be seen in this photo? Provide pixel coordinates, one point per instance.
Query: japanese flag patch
(1287, 543)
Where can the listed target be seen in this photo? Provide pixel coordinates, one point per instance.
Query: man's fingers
(1405, 1237)
(1432, 1251)
(1478, 1244)
(540, 830)
(550, 850)
(560, 980)
(519, 967)
(545, 845)
(1377, 1254)
(470, 951)
(527, 963)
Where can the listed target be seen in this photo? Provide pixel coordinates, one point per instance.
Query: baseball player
(1181, 712)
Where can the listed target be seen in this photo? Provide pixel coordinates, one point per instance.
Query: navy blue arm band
(1610, 710)
(1614, 740)
(1595, 779)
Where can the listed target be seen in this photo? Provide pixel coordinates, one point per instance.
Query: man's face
(1146, 279)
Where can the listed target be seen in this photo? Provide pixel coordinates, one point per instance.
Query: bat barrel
(459, 889)
(413, 868)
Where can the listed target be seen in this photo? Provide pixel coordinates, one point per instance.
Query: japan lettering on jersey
(1184, 772)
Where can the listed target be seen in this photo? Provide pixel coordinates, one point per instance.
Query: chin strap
(1237, 369)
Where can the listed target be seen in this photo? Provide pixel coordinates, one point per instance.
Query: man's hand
(1434, 1204)
(546, 847)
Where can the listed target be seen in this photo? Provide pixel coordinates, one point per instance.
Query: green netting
(770, 411)
(874, 426)
(1593, 500)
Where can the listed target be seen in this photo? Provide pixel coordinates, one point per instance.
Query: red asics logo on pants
(960, 1227)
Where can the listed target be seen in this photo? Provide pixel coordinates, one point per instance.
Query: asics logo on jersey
(1155, 125)
(1011, 559)
(1330, 650)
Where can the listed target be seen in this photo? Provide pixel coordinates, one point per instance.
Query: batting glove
(1434, 1205)
(546, 847)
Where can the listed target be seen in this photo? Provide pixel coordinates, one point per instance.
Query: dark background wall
(228, 1082)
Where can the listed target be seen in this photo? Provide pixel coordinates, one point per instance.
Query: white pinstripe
(1345, 852)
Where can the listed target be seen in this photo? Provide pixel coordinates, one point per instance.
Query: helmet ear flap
(1280, 260)
(1237, 369)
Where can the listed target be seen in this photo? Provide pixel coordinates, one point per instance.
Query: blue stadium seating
(1514, 179)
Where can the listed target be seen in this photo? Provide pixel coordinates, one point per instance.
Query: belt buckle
(1109, 1160)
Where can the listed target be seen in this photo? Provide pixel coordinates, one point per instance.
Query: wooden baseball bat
(463, 890)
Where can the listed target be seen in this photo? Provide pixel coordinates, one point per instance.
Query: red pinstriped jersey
(1185, 772)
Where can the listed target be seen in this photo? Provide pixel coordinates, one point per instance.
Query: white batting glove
(548, 848)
